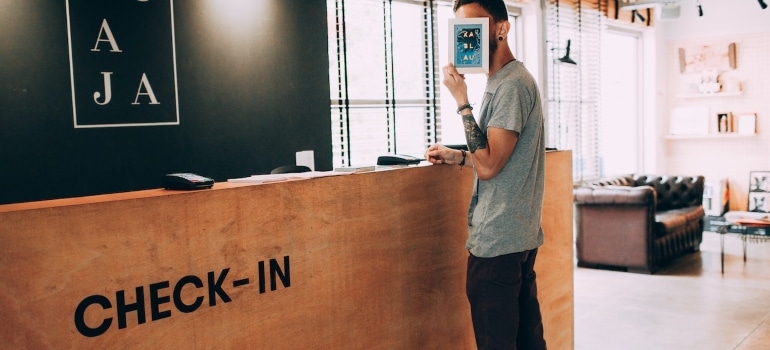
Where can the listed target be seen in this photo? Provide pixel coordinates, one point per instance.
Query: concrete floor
(689, 304)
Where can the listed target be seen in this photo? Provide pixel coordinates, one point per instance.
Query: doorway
(620, 126)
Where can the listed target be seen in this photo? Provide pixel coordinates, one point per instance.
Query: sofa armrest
(614, 226)
(623, 195)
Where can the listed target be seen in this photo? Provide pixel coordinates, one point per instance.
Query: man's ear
(505, 27)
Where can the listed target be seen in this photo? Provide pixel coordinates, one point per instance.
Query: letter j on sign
(122, 63)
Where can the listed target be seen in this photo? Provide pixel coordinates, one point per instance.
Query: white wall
(725, 21)
(720, 17)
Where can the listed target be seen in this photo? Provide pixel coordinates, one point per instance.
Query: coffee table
(751, 227)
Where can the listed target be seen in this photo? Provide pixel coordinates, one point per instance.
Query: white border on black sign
(72, 80)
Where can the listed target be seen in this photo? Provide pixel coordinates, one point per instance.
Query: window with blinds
(383, 75)
(573, 90)
(385, 58)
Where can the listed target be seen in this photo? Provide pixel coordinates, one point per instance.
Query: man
(506, 149)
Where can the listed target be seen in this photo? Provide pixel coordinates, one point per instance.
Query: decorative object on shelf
(709, 82)
(731, 85)
(697, 59)
(759, 191)
(747, 124)
(724, 122)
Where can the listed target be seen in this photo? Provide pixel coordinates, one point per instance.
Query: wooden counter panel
(554, 264)
(375, 260)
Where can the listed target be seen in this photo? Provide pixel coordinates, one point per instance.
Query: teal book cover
(469, 50)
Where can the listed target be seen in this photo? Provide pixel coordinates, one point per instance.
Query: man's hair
(496, 8)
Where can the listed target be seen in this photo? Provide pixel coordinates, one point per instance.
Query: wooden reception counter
(364, 261)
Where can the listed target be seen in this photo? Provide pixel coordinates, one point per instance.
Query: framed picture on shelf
(724, 122)
(469, 46)
(759, 192)
(747, 124)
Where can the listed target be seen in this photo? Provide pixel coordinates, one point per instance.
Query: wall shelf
(714, 94)
(731, 135)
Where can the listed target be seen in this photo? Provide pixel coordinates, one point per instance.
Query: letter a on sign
(148, 91)
(105, 30)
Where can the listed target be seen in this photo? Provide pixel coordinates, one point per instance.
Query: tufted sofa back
(672, 192)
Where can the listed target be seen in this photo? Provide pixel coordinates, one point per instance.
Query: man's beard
(492, 47)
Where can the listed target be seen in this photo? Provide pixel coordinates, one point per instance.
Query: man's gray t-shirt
(505, 211)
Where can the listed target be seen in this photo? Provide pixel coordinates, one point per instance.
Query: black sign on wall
(122, 63)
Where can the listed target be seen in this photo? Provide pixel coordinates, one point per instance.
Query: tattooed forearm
(473, 135)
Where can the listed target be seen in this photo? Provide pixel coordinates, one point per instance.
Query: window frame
(343, 107)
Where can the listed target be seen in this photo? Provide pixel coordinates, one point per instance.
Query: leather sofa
(638, 222)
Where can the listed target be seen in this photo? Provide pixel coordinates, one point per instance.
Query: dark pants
(503, 297)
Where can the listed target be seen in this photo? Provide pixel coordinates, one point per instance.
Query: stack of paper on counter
(355, 169)
(285, 177)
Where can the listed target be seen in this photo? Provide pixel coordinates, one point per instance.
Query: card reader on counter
(398, 159)
(186, 181)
